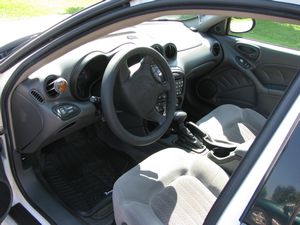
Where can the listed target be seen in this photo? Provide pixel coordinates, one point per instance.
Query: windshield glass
(22, 18)
(177, 17)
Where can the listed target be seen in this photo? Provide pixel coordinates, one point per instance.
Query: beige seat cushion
(170, 187)
(185, 201)
(230, 124)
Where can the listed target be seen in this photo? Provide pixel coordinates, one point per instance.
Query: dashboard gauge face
(84, 81)
(87, 74)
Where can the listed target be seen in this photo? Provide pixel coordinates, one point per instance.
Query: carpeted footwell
(81, 172)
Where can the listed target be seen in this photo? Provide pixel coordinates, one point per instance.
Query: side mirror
(241, 25)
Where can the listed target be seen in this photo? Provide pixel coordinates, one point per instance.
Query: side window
(275, 33)
(278, 201)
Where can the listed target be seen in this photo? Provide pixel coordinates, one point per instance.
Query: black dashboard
(87, 75)
(42, 114)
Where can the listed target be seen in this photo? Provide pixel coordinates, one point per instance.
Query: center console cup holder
(220, 152)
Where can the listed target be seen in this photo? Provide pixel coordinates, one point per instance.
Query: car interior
(126, 128)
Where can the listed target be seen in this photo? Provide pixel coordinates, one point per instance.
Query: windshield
(177, 17)
(19, 19)
(22, 18)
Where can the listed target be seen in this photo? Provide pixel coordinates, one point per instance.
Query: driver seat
(170, 187)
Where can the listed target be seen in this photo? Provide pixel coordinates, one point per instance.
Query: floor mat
(82, 171)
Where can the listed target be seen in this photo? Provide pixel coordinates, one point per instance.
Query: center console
(180, 86)
(188, 136)
(180, 89)
(229, 158)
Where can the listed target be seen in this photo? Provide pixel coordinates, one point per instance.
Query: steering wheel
(138, 89)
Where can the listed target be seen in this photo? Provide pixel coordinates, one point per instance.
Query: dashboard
(87, 75)
(43, 114)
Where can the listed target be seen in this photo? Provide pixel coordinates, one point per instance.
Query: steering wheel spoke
(165, 87)
(146, 62)
(124, 72)
(155, 116)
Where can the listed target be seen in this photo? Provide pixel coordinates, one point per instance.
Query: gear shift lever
(185, 136)
(180, 117)
(183, 131)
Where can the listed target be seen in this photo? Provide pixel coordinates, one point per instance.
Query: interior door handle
(250, 51)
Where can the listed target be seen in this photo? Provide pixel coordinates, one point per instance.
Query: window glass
(17, 9)
(278, 202)
(177, 17)
(280, 34)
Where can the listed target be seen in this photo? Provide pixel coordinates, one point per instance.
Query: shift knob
(180, 117)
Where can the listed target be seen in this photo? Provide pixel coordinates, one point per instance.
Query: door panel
(227, 85)
(274, 69)
(252, 74)
(275, 76)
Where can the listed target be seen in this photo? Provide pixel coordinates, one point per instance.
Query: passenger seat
(229, 126)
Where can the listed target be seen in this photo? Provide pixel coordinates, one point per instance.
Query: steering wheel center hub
(140, 90)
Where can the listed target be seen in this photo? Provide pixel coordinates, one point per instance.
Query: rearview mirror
(241, 25)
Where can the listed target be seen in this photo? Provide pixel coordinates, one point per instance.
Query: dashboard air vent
(158, 48)
(37, 96)
(49, 86)
(170, 51)
(216, 49)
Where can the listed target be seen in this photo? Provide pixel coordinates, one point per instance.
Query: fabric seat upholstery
(230, 125)
(170, 187)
